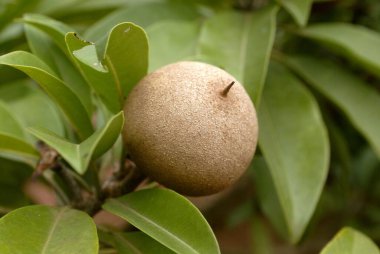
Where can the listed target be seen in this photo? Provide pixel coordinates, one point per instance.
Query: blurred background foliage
(317, 169)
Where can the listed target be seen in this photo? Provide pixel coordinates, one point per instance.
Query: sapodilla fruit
(191, 127)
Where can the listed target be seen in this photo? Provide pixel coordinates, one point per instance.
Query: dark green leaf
(353, 96)
(12, 177)
(295, 145)
(138, 243)
(55, 88)
(241, 44)
(80, 155)
(126, 55)
(12, 9)
(350, 241)
(299, 9)
(142, 15)
(171, 41)
(167, 217)
(43, 229)
(358, 43)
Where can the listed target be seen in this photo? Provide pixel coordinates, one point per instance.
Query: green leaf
(299, 9)
(43, 229)
(20, 95)
(9, 124)
(294, 142)
(137, 243)
(17, 149)
(126, 55)
(268, 200)
(55, 88)
(350, 241)
(10, 10)
(171, 41)
(85, 56)
(160, 214)
(80, 155)
(360, 102)
(12, 177)
(55, 29)
(142, 15)
(41, 39)
(358, 43)
(241, 44)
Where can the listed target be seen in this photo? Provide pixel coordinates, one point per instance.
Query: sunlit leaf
(160, 214)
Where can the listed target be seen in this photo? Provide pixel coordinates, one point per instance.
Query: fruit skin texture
(184, 134)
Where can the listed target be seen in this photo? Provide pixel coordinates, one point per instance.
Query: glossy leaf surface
(160, 214)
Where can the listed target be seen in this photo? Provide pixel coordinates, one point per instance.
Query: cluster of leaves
(314, 87)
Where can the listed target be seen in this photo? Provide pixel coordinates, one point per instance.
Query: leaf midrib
(52, 229)
(147, 220)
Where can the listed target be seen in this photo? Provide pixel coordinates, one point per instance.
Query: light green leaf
(142, 15)
(171, 41)
(126, 55)
(358, 43)
(299, 9)
(353, 96)
(138, 243)
(55, 88)
(85, 56)
(80, 155)
(160, 214)
(17, 149)
(41, 38)
(350, 241)
(294, 142)
(19, 95)
(241, 44)
(43, 229)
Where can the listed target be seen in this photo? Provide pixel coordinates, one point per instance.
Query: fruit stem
(227, 89)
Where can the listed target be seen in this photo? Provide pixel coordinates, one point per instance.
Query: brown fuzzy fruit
(187, 131)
